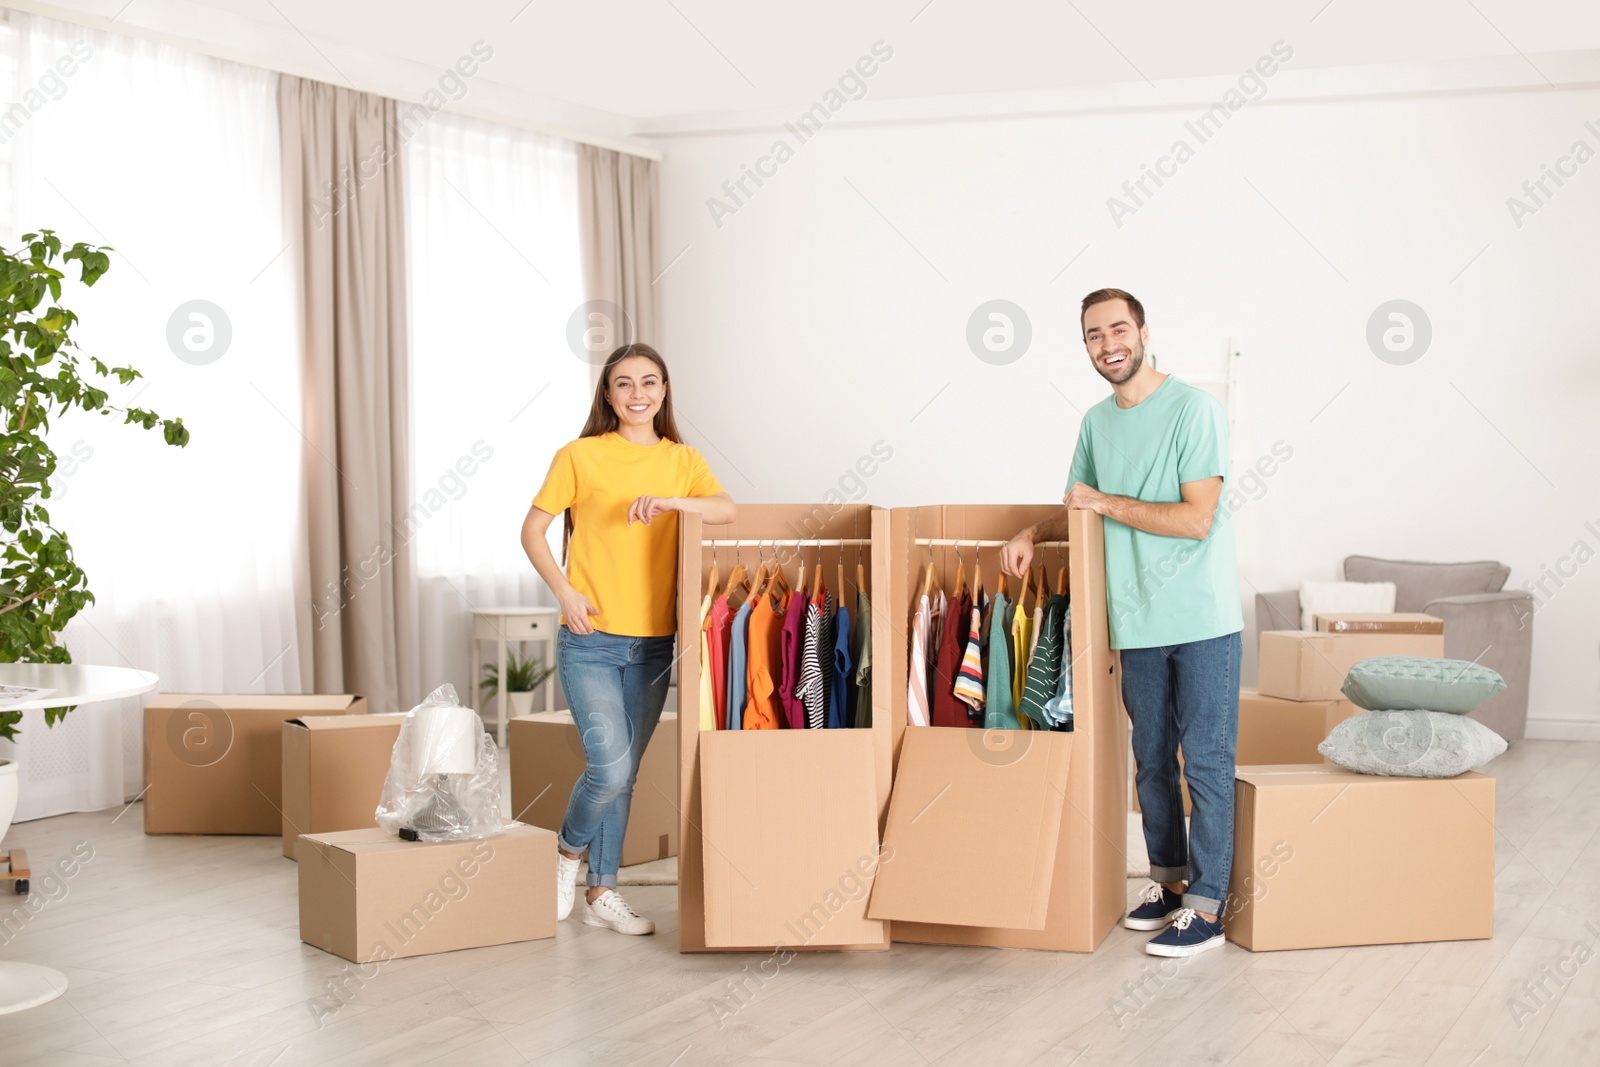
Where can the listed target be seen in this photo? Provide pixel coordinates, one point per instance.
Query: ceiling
(640, 63)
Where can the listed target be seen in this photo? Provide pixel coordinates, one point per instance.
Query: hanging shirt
(838, 692)
(629, 571)
(708, 699)
(814, 671)
(792, 643)
(969, 680)
(1059, 708)
(763, 709)
(917, 688)
(862, 715)
(1044, 669)
(737, 657)
(721, 631)
(1021, 634)
(947, 710)
(998, 708)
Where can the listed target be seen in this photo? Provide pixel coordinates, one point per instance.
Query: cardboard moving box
(1399, 623)
(1273, 730)
(333, 772)
(1306, 665)
(1051, 808)
(547, 759)
(1325, 857)
(366, 895)
(213, 762)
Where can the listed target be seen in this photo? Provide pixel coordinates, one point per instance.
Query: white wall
(805, 328)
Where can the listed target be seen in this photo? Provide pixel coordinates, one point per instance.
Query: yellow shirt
(629, 573)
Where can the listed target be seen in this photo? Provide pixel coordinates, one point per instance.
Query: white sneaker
(566, 885)
(609, 909)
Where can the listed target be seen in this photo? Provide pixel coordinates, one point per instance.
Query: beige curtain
(617, 209)
(345, 208)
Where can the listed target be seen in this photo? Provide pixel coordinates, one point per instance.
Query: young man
(1152, 458)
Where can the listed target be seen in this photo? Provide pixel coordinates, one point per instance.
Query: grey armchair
(1483, 621)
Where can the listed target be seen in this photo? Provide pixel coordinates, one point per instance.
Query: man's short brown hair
(1100, 296)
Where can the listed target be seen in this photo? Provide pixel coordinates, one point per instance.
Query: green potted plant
(41, 585)
(523, 676)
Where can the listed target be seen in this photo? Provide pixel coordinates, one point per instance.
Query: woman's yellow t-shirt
(629, 573)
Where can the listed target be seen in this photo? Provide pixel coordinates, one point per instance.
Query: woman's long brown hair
(603, 417)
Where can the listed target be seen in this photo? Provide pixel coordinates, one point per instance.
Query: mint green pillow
(1417, 683)
(1411, 744)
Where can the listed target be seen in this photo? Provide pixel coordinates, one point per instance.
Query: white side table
(27, 985)
(504, 625)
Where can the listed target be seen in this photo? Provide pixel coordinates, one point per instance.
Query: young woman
(619, 484)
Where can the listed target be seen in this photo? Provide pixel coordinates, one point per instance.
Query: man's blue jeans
(1186, 695)
(616, 686)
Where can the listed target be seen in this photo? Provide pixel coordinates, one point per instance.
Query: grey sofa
(1483, 621)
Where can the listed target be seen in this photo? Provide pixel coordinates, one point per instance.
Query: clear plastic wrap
(444, 779)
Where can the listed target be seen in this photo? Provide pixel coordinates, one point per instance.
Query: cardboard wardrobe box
(778, 829)
(366, 895)
(333, 772)
(1397, 623)
(547, 759)
(1050, 807)
(1324, 857)
(213, 762)
(1307, 665)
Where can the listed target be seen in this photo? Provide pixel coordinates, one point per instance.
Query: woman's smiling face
(636, 390)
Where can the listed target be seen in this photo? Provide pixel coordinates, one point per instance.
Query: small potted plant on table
(523, 676)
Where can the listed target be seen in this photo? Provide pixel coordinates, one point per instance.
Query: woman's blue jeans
(616, 687)
(1186, 695)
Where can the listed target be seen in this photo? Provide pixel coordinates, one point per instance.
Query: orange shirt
(763, 710)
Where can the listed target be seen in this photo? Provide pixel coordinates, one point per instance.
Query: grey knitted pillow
(1399, 683)
(1411, 744)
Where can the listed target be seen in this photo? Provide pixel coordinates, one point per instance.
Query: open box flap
(974, 819)
(790, 837)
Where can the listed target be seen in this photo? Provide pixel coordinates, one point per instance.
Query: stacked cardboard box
(367, 896)
(1325, 857)
(333, 772)
(1300, 697)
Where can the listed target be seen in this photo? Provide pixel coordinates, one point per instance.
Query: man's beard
(1125, 370)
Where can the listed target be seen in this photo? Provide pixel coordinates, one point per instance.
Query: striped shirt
(969, 680)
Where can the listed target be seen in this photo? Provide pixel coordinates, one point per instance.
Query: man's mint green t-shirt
(1162, 590)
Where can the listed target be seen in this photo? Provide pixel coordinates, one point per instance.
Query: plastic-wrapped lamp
(445, 741)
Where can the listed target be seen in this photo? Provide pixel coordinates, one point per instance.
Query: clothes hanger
(758, 584)
(927, 576)
(711, 579)
(840, 577)
(961, 574)
(977, 573)
(736, 578)
(816, 577)
(1027, 583)
(1061, 575)
(861, 570)
(1042, 587)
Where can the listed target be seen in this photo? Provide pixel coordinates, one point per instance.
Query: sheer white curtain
(172, 159)
(492, 230)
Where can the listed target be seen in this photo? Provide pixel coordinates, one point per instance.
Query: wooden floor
(185, 951)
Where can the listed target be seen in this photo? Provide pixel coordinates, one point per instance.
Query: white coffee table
(27, 985)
